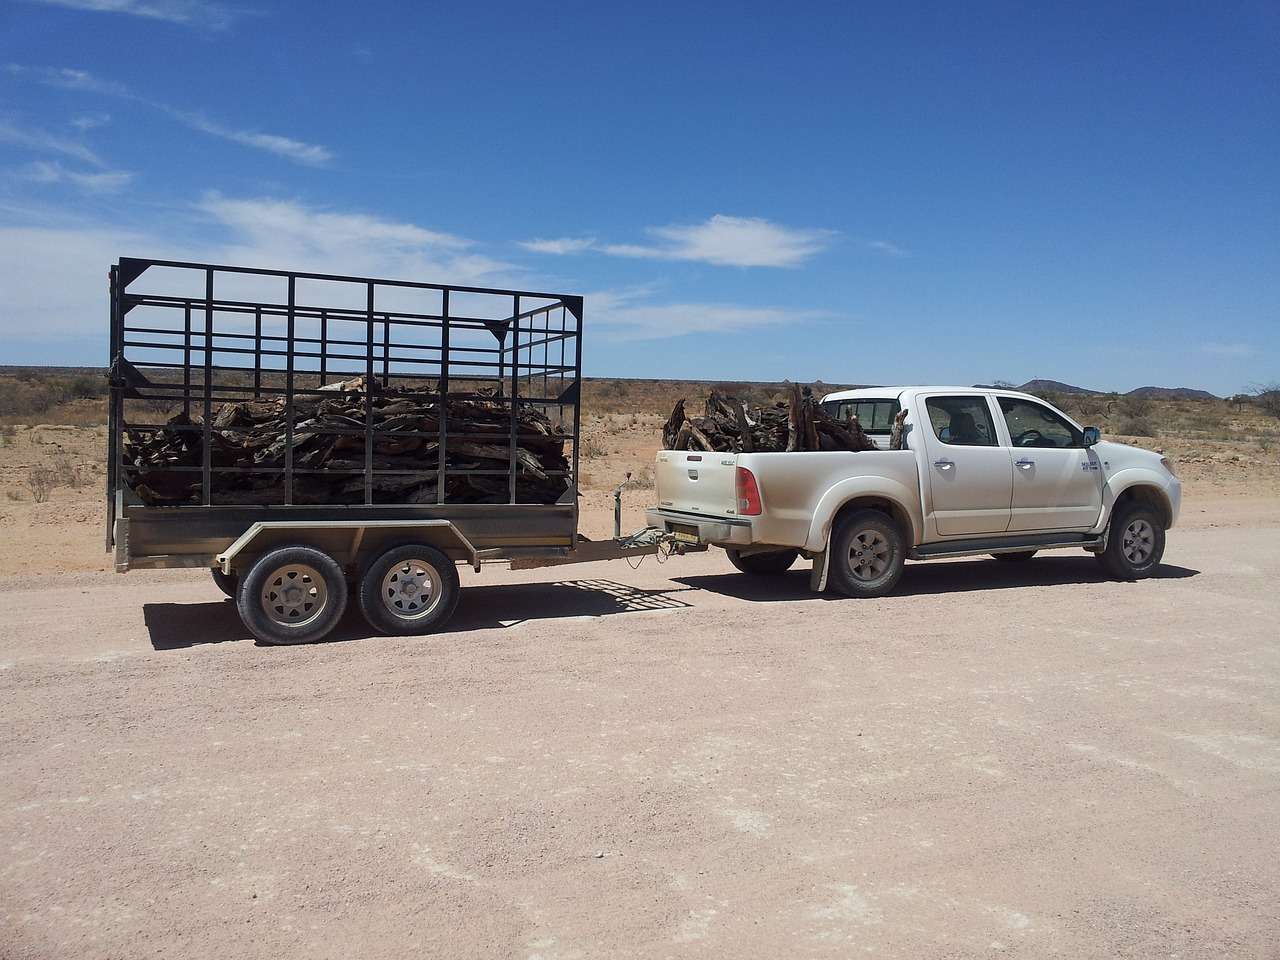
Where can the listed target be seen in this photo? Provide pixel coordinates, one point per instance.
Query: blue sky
(851, 192)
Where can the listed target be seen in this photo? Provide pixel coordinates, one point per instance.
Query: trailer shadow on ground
(922, 579)
(176, 626)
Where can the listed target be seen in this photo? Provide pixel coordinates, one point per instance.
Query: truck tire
(226, 582)
(868, 552)
(763, 564)
(1017, 557)
(1135, 543)
(409, 590)
(292, 595)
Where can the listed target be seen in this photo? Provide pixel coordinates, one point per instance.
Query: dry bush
(1267, 397)
(593, 448)
(642, 480)
(67, 472)
(1135, 427)
(1136, 408)
(40, 481)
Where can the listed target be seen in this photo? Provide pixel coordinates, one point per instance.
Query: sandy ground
(673, 761)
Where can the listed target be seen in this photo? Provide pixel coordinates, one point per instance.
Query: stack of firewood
(728, 425)
(328, 467)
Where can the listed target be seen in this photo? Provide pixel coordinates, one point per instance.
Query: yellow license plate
(683, 537)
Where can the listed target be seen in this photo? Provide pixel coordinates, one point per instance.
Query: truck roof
(896, 392)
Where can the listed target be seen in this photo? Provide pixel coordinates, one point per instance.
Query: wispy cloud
(66, 78)
(633, 314)
(310, 154)
(193, 13)
(722, 240)
(730, 241)
(884, 246)
(103, 181)
(559, 246)
(33, 138)
(90, 121)
(1237, 351)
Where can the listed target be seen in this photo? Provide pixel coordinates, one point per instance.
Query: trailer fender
(344, 539)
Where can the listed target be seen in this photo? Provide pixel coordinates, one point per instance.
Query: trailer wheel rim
(294, 595)
(411, 589)
(868, 555)
(1138, 542)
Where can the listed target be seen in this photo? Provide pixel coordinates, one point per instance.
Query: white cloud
(730, 241)
(66, 78)
(53, 275)
(1236, 351)
(105, 181)
(559, 246)
(90, 121)
(32, 138)
(884, 246)
(194, 13)
(311, 154)
(630, 314)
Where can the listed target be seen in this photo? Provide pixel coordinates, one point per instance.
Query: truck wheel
(226, 582)
(1135, 544)
(868, 552)
(409, 590)
(1014, 557)
(763, 564)
(292, 595)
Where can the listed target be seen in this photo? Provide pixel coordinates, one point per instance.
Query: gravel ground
(673, 761)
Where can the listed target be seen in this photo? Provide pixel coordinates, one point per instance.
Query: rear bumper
(719, 531)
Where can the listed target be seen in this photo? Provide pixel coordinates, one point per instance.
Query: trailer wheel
(868, 552)
(292, 595)
(411, 589)
(226, 582)
(763, 564)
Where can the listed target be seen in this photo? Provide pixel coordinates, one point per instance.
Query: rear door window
(962, 421)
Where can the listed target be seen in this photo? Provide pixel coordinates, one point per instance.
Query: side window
(876, 416)
(1035, 425)
(962, 421)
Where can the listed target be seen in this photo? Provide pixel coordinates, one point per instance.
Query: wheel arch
(1146, 493)
(346, 541)
(895, 509)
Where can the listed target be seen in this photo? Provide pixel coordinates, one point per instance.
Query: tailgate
(690, 481)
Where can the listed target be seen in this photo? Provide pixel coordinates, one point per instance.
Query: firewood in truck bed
(729, 426)
(328, 467)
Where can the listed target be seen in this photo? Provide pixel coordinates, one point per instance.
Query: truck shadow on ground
(176, 626)
(934, 577)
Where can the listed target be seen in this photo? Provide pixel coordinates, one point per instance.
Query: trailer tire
(868, 552)
(763, 564)
(292, 595)
(392, 595)
(227, 582)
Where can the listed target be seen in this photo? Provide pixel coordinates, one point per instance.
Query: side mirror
(1091, 436)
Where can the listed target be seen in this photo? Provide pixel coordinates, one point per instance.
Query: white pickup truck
(981, 472)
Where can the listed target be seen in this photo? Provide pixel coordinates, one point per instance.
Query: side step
(983, 545)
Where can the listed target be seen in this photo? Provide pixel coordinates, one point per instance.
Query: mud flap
(818, 575)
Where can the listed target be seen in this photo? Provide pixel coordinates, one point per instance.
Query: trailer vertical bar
(257, 353)
(206, 443)
(324, 345)
(368, 399)
(443, 386)
(515, 391)
(288, 398)
(114, 409)
(577, 406)
(386, 349)
(186, 360)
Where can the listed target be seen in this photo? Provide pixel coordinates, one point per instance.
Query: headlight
(1168, 465)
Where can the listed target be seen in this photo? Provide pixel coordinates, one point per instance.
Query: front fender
(853, 488)
(1122, 480)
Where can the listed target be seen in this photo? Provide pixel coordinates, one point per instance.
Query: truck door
(1057, 484)
(970, 475)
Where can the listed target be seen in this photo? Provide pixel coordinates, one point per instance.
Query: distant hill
(1172, 393)
(1054, 386)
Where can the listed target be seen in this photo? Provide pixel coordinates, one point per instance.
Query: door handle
(944, 464)
(1024, 463)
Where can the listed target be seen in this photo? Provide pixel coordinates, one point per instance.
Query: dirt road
(674, 761)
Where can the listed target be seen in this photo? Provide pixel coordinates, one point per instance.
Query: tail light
(748, 494)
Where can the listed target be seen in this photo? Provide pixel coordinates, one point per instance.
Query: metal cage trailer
(190, 341)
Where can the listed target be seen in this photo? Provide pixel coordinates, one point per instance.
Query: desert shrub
(86, 387)
(66, 472)
(1086, 406)
(642, 480)
(592, 448)
(1136, 408)
(1135, 427)
(1267, 397)
(40, 481)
